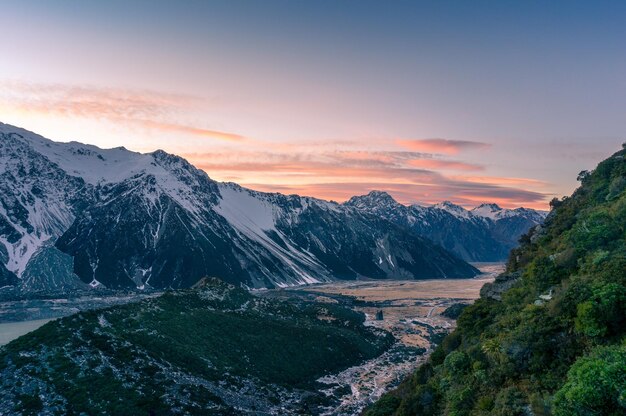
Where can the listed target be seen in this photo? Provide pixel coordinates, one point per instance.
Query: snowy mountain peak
(491, 206)
(99, 166)
(486, 233)
(378, 199)
(380, 195)
(171, 174)
(492, 211)
(456, 210)
(535, 215)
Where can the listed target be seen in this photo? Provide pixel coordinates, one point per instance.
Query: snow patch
(456, 210)
(94, 283)
(102, 321)
(245, 211)
(253, 215)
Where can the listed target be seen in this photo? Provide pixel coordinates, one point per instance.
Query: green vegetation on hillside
(554, 343)
(209, 350)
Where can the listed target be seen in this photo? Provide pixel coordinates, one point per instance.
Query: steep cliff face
(38, 203)
(7, 278)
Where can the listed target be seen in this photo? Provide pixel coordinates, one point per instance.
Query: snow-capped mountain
(494, 212)
(453, 209)
(485, 233)
(73, 215)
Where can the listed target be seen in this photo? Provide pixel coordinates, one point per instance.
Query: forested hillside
(548, 336)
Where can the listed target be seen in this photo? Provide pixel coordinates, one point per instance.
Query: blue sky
(331, 98)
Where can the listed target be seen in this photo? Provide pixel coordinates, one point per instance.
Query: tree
(583, 175)
(555, 203)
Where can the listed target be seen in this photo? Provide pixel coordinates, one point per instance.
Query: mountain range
(74, 216)
(484, 234)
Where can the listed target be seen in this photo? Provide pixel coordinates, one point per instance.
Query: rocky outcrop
(501, 284)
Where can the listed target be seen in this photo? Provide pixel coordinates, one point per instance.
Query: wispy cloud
(443, 146)
(412, 177)
(275, 157)
(444, 164)
(193, 131)
(501, 180)
(424, 171)
(367, 165)
(137, 108)
(423, 194)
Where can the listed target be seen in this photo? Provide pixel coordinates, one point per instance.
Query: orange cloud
(502, 180)
(315, 169)
(443, 164)
(145, 109)
(444, 146)
(193, 131)
(341, 175)
(408, 193)
(332, 170)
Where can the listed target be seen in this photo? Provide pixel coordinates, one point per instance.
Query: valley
(109, 243)
(413, 311)
(322, 208)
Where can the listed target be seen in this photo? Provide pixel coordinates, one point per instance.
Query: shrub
(596, 385)
(594, 231)
(605, 313)
(460, 401)
(510, 402)
(617, 186)
(457, 363)
(29, 404)
(387, 405)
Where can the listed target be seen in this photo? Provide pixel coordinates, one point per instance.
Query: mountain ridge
(121, 219)
(485, 233)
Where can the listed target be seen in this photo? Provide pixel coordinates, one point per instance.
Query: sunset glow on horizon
(285, 97)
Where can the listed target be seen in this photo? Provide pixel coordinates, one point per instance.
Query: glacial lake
(11, 330)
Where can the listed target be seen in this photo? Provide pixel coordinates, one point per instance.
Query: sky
(472, 102)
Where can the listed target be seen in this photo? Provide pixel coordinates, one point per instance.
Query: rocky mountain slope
(211, 350)
(486, 233)
(73, 215)
(548, 337)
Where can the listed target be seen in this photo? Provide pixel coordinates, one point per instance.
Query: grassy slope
(563, 354)
(182, 351)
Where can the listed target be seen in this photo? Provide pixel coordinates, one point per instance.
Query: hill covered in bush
(214, 349)
(548, 336)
